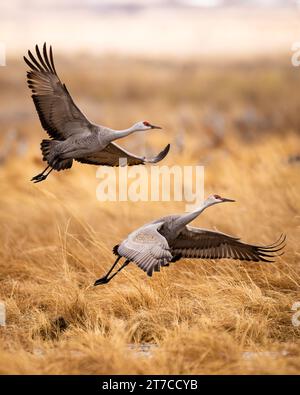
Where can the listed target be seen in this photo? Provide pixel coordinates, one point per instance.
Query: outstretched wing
(113, 153)
(147, 248)
(201, 243)
(58, 114)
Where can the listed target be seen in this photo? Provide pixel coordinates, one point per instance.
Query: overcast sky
(159, 29)
(106, 4)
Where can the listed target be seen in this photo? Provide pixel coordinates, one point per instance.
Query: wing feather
(113, 153)
(58, 113)
(147, 248)
(201, 243)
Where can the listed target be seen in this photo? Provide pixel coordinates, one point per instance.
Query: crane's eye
(217, 197)
(146, 123)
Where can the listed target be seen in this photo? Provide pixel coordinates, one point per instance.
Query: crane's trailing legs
(105, 279)
(99, 281)
(41, 176)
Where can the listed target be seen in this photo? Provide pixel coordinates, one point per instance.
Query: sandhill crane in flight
(169, 239)
(73, 135)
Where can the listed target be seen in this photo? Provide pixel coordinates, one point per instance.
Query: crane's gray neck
(185, 219)
(117, 134)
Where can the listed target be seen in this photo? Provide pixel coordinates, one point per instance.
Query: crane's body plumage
(73, 136)
(170, 238)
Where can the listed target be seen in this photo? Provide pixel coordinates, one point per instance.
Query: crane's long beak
(227, 200)
(155, 127)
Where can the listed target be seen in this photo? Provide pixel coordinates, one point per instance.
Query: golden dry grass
(56, 238)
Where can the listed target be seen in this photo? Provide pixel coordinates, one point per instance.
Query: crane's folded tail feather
(148, 259)
(115, 249)
(49, 155)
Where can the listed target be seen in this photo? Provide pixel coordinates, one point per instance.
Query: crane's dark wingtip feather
(268, 251)
(32, 67)
(46, 58)
(41, 63)
(272, 250)
(274, 247)
(161, 155)
(35, 62)
(26, 61)
(270, 256)
(280, 240)
(45, 66)
(44, 47)
(266, 260)
(52, 60)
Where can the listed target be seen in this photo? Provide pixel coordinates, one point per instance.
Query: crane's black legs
(102, 279)
(40, 174)
(41, 177)
(106, 278)
(121, 268)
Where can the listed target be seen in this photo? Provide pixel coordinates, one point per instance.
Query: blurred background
(167, 28)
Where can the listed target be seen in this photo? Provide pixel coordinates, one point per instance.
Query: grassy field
(242, 122)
